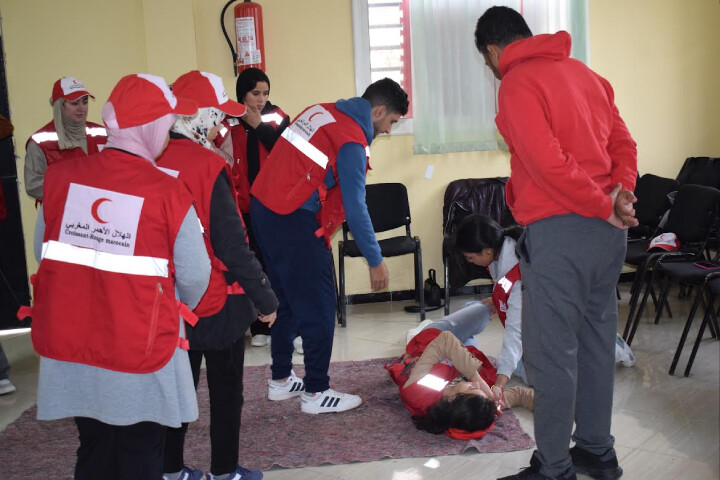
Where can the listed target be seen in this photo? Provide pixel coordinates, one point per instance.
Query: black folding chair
(389, 209)
(652, 194)
(653, 202)
(685, 269)
(711, 288)
(700, 171)
(691, 218)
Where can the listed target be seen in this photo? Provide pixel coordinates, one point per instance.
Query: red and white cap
(208, 91)
(69, 88)
(667, 241)
(140, 98)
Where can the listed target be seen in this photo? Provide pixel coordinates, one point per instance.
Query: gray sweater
(167, 396)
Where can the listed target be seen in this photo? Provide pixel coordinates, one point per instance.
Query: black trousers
(111, 452)
(224, 370)
(257, 327)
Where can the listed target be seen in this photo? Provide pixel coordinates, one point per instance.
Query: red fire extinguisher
(249, 45)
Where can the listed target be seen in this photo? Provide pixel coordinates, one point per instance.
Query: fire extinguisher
(249, 48)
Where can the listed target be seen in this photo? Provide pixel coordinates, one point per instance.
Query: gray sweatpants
(570, 266)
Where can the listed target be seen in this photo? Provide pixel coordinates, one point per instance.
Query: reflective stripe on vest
(308, 149)
(41, 137)
(433, 382)
(272, 117)
(96, 131)
(501, 292)
(109, 262)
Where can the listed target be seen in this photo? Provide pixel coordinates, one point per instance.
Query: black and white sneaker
(282, 390)
(328, 401)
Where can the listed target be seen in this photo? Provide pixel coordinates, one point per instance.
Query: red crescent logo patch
(311, 116)
(94, 209)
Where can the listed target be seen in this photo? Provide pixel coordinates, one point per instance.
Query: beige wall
(660, 55)
(662, 59)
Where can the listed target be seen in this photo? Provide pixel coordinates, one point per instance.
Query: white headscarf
(198, 126)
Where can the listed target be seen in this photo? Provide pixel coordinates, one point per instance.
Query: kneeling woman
(483, 242)
(444, 384)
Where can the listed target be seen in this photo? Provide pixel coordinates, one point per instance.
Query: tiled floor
(665, 427)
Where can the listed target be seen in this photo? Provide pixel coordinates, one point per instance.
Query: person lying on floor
(444, 383)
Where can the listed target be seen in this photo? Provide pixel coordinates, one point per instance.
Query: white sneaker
(282, 390)
(6, 387)
(260, 340)
(328, 401)
(414, 331)
(297, 343)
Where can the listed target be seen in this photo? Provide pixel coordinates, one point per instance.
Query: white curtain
(454, 92)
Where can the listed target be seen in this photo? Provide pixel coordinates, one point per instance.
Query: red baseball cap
(69, 88)
(208, 91)
(140, 98)
(666, 241)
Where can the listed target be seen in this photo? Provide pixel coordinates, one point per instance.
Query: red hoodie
(568, 145)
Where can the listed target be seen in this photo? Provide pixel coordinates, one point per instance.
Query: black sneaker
(592, 465)
(533, 472)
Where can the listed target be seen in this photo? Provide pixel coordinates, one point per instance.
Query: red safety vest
(501, 292)
(105, 289)
(47, 139)
(298, 164)
(198, 168)
(420, 396)
(239, 170)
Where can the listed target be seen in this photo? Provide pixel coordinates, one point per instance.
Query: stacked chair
(653, 194)
(693, 217)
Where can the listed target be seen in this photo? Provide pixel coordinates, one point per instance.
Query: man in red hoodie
(573, 168)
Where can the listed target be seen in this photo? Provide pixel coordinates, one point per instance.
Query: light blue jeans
(467, 322)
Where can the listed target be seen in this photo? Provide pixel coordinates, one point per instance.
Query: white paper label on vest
(307, 124)
(505, 284)
(170, 171)
(103, 220)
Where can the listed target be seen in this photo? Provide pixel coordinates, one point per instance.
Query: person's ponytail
(513, 231)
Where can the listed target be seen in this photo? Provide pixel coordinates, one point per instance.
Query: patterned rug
(276, 433)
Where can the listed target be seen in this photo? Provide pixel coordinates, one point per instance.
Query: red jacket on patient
(420, 396)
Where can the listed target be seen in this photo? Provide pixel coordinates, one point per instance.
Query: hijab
(146, 141)
(197, 127)
(71, 134)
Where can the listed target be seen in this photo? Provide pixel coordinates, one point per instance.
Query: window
(382, 47)
(451, 91)
(389, 33)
